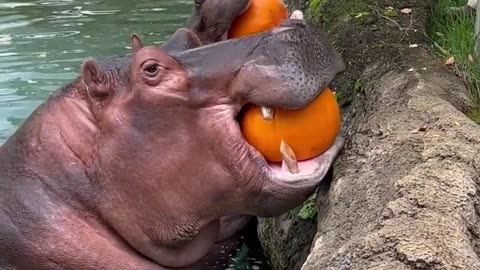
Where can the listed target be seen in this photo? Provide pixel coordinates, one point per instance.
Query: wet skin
(211, 19)
(134, 164)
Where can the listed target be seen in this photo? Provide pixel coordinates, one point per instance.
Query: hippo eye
(151, 70)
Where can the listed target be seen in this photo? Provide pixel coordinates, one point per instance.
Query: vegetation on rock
(308, 210)
(452, 31)
(386, 47)
(475, 116)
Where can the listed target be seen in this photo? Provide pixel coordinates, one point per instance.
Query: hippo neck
(55, 145)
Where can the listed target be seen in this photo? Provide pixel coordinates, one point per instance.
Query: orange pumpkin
(262, 15)
(309, 131)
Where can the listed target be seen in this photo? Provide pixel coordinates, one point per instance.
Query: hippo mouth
(269, 71)
(290, 169)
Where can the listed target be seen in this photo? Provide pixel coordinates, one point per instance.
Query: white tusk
(288, 158)
(297, 15)
(267, 113)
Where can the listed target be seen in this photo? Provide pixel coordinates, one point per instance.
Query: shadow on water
(44, 42)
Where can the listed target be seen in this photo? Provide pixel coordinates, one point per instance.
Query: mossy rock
(373, 38)
(475, 116)
(287, 239)
(356, 27)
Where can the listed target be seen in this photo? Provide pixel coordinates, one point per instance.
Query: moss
(358, 87)
(363, 17)
(355, 9)
(309, 210)
(314, 5)
(313, 8)
(338, 97)
(475, 116)
(390, 12)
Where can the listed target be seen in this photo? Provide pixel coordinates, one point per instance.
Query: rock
(403, 200)
(405, 191)
(287, 239)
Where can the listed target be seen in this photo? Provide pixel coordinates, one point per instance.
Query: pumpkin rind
(262, 15)
(309, 131)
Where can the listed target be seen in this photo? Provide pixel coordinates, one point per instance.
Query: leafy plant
(308, 211)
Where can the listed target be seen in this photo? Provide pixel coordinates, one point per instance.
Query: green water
(43, 43)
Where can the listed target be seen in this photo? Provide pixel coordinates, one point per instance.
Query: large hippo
(135, 164)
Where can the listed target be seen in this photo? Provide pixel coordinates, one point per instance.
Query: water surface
(43, 43)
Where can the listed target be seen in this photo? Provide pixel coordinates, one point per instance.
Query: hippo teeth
(297, 15)
(267, 113)
(289, 159)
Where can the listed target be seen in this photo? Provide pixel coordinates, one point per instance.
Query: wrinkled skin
(211, 19)
(183, 39)
(209, 23)
(133, 166)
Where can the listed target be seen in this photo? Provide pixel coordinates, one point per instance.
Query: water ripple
(14, 5)
(44, 42)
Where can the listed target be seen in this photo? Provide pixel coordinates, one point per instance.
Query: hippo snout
(290, 68)
(286, 67)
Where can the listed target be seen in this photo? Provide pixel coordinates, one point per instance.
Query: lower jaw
(306, 166)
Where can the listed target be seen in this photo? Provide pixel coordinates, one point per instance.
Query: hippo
(140, 163)
(211, 19)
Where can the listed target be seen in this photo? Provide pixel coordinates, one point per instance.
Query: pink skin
(139, 167)
(193, 138)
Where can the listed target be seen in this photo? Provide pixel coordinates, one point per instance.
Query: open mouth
(290, 169)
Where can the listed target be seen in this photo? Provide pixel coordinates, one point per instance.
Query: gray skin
(183, 39)
(211, 19)
(134, 164)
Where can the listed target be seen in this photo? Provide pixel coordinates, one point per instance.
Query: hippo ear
(94, 79)
(136, 42)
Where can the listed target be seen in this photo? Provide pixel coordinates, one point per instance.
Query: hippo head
(170, 149)
(211, 19)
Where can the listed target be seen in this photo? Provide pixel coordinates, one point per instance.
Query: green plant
(309, 210)
(475, 116)
(358, 86)
(453, 34)
(240, 261)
